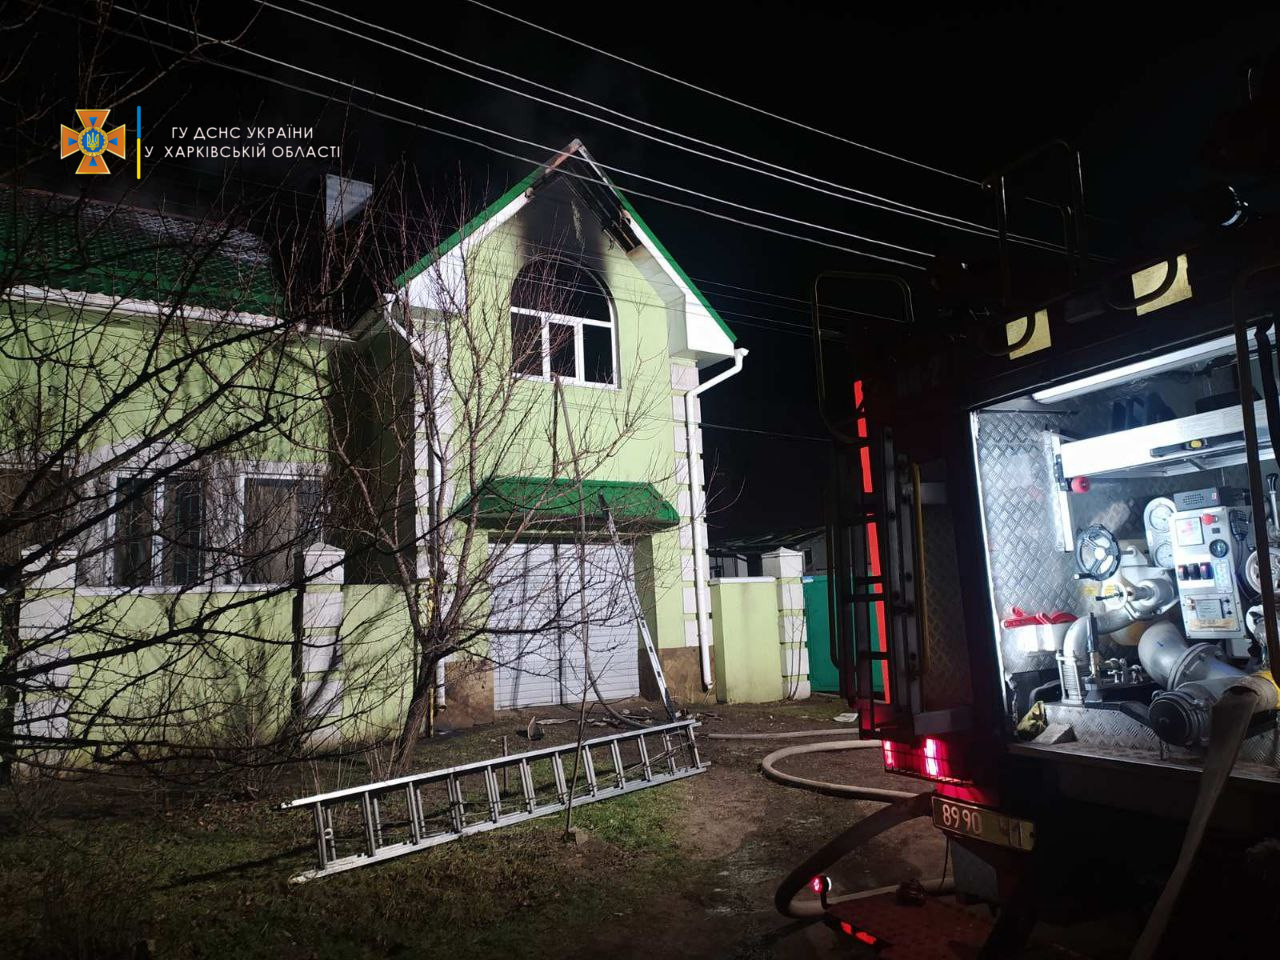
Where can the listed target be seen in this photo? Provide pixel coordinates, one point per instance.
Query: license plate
(983, 824)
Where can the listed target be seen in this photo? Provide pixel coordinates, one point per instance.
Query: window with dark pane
(577, 293)
(283, 516)
(313, 512)
(183, 534)
(570, 306)
(597, 353)
(33, 505)
(564, 361)
(526, 344)
(135, 531)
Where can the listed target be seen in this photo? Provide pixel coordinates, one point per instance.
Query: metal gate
(536, 642)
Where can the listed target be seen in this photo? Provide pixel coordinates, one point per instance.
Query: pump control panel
(1206, 556)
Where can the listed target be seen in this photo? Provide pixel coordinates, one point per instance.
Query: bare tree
(155, 490)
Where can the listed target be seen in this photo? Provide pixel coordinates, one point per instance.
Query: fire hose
(903, 806)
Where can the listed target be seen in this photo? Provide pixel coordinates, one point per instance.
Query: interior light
(1218, 347)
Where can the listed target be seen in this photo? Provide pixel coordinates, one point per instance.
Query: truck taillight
(929, 757)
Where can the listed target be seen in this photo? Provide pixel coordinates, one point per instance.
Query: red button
(1208, 518)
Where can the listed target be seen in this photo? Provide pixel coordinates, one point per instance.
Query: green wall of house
(64, 366)
(640, 407)
(218, 666)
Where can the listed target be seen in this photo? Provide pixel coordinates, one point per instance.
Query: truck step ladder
(364, 825)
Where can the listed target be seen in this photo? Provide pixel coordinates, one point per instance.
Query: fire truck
(1054, 540)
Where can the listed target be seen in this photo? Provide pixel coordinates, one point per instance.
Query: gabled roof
(59, 242)
(575, 162)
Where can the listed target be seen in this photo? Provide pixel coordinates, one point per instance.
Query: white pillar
(44, 637)
(318, 633)
(787, 569)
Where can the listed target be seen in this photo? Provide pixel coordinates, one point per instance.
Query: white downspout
(700, 548)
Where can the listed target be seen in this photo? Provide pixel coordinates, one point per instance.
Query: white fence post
(44, 635)
(787, 568)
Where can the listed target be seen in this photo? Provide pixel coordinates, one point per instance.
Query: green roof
(498, 205)
(546, 501)
(58, 242)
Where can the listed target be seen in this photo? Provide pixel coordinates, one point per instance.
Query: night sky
(1136, 89)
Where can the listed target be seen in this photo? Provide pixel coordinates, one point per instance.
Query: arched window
(562, 324)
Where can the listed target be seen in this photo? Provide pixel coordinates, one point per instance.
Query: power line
(371, 111)
(727, 99)
(855, 195)
(599, 262)
(551, 150)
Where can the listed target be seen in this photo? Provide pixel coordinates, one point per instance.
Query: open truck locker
(1051, 535)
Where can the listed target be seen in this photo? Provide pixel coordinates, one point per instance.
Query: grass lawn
(213, 882)
(683, 869)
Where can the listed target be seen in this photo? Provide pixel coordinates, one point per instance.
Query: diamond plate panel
(1116, 731)
(1027, 567)
(1105, 728)
(946, 678)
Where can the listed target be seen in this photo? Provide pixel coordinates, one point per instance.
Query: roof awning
(547, 502)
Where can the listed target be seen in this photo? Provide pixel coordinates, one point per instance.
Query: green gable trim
(558, 502)
(470, 227)
(494, 208)
(671, 262)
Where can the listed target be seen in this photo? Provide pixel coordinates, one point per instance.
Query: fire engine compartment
(1118, 541)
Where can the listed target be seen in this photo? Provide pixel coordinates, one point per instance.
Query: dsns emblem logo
(93, 141)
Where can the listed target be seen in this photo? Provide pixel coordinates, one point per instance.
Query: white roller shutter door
(537, 666)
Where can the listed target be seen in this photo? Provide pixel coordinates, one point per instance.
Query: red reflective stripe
(873, 546)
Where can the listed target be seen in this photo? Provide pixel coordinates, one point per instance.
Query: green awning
(557, 502)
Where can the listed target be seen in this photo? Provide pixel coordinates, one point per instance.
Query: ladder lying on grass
(380, 821)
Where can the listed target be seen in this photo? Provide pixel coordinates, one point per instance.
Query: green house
(239, 494)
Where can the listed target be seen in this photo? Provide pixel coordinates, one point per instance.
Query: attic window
(562, 325)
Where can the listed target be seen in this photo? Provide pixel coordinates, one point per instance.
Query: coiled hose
(903, 806)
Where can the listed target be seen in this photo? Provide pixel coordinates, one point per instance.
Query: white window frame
(154, 581)
(577, 323)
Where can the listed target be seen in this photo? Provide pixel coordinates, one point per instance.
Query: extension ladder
(654, 663)
(388, 819)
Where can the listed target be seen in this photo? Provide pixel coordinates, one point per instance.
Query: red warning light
(866, 937)
(846, 928)
(818, 885)
(931, 766)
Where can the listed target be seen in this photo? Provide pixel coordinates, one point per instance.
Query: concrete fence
(761, 650)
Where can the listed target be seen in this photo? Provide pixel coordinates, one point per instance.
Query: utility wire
(536, 163)
(601, 262)
(727, 99)
(855, 195)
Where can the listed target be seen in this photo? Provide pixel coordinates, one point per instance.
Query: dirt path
(748, 832)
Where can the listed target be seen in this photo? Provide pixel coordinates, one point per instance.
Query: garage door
(535, 624)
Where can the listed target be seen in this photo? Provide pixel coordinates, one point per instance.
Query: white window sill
(174, 591)
(567, 381)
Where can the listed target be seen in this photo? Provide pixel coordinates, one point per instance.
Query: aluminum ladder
(364, 825)
(650, 651)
